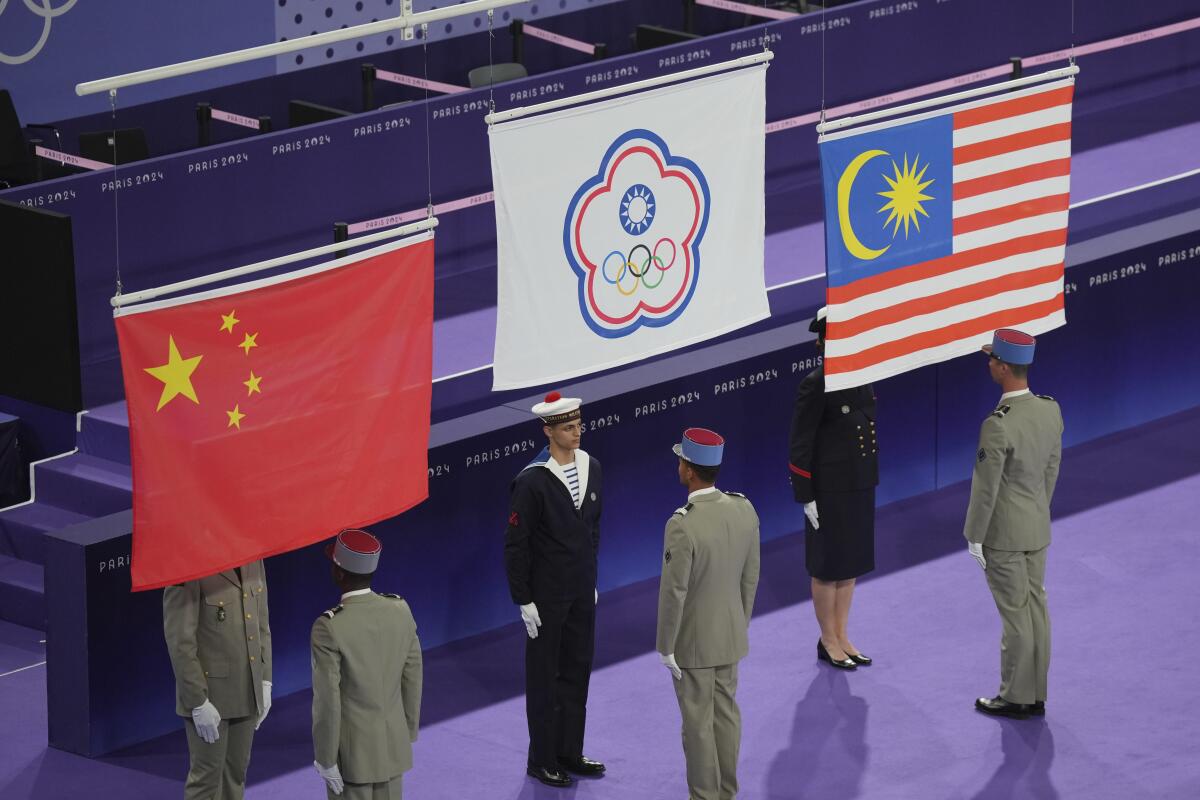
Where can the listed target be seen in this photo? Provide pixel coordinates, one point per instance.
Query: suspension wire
(112, 104)
(824, 13)
(491, 64)
(428, 158)
(1072, 33)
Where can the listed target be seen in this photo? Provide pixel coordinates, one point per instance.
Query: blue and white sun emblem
(637, 209)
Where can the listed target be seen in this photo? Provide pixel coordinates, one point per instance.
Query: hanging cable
(428, 157)
(1072, 33)
(112, 104)
(824, 12)
(491, 64)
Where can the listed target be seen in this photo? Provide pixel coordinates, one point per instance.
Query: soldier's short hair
(706, 474)
(1020, 371)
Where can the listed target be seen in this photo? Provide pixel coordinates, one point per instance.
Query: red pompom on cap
(553, 397)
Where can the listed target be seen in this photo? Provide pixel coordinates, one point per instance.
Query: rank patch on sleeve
(982, 455)
(667, 557)
(514, 519)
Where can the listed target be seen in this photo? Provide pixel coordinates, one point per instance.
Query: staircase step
(22, 593)
(23, 529)
(85, 484)
(104, 432)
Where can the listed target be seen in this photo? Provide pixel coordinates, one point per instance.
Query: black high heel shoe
(861, 659)
(823, 655)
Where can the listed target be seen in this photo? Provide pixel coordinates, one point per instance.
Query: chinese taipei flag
(628, 227)
(267, 416)
(942, 227)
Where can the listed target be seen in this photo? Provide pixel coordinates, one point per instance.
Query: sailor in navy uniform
(834, 470)
(550, 550)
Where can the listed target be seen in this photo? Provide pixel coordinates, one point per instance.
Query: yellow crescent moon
(845, 183)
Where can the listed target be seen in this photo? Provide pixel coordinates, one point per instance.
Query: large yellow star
(228, 321)
(252, 384)
(235, 418)
(249, 342)
(176, 375)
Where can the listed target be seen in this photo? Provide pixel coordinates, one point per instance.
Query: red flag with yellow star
(267, 416)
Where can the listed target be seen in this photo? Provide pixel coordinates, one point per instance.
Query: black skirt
(844, 546)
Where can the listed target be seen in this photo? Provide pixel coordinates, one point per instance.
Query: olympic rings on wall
(47, 12)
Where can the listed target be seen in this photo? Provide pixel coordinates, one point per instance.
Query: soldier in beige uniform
(366, 673)
(1008, 522)
(219, 638)
(710, 575)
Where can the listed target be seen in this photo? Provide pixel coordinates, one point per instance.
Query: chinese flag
(267, 416)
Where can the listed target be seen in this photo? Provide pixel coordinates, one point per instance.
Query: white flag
(628, 227)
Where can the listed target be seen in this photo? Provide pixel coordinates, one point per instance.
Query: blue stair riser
(75, 493)
(21, 540)
(22, 605)
(105, 437)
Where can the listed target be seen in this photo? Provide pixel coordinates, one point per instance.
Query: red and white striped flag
(942, 227)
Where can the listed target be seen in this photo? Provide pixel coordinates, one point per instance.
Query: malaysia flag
(942, 227)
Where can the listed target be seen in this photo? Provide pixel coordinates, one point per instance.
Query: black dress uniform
(550, 550)
(833, 460)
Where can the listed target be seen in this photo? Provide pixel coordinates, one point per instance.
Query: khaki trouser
(218, 771)
(1017, 580)
(388, 790)
(712, 730)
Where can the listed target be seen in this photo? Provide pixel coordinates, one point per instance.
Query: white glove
(266, 704)
(597, 600)
(810, 511)
(668, 661)
(332, 777)
(529, 615)
(976, 551)
(207, 718)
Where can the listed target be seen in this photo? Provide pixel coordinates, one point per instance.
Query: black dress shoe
(861, 659)
(551, 777)
(823, 655)
(999, 707)
(582, 766)
(1038, 709)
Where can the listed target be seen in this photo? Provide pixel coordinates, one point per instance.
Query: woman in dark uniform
(834, 471)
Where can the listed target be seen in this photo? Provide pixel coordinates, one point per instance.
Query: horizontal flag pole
(599, 94)
(401, 22)
(121, 300)
(847, 122)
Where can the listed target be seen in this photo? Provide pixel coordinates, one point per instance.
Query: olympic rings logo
(630, 263)
(47, 12)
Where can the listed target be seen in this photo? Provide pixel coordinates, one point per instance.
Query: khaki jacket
(218, 635)
(709, 578)
(1016, 468)
(366, 671)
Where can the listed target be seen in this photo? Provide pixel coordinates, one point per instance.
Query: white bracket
(406, 10)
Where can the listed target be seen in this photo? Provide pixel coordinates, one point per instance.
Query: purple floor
(1123, 596)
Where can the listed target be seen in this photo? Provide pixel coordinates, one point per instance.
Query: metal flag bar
(846, 122)
(404, 21)
(625, 88)
(121, 300)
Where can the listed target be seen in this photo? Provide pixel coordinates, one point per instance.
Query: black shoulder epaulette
(389, 594)
(332, 611)
(735, 494)
(1044, 396)
(683, 511)
(1001, 411)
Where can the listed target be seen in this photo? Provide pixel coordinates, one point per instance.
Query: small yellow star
(252, 384)
(249, 342)
(228, 321)
(235, 418)
(176, 375)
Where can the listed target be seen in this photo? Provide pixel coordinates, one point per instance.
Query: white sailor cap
(818, 323)
(557, 408)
